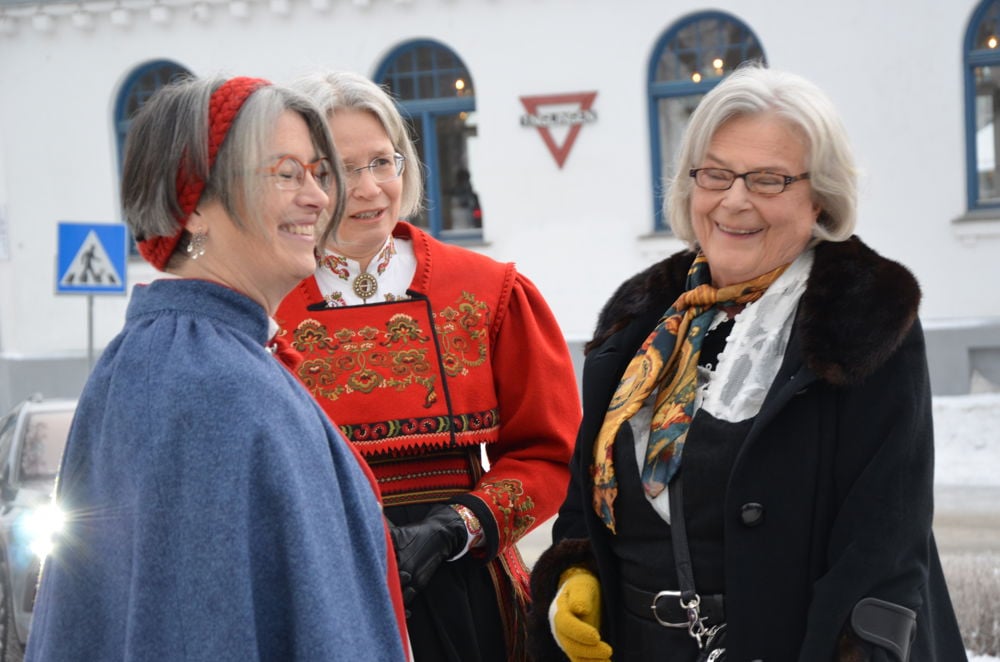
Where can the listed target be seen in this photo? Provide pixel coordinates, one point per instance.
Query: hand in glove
(575, 617)
(422, 546)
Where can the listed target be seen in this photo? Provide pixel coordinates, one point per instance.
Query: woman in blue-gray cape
(212, 510)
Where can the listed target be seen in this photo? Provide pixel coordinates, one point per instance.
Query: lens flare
(41, 526)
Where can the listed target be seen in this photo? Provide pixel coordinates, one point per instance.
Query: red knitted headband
(222, 111)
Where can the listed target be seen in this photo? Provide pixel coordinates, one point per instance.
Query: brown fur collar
(857, 308)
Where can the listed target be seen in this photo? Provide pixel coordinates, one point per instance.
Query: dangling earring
(196, 247)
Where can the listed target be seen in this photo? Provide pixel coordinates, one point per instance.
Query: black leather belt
(667, 610)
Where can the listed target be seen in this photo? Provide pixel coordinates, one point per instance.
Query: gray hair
(344, 90)
(754, 90)
(171, 131)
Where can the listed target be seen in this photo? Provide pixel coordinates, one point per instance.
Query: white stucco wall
(894, 69)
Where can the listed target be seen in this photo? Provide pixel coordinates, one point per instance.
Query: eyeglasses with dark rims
(290, 174)
(764, 183)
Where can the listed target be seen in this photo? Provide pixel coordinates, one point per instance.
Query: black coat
(840, 457)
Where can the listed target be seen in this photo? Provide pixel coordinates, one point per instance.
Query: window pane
(427, 72)
(453, 83)
(419, 141)
(425, 88)
(423, 59)
(691, 59)
(444, 133)
(986, 33)
(987, 104)
(460, 208)
(706, 48)
(147, 84)
(445, 60)
(675, 113)
(404, 87)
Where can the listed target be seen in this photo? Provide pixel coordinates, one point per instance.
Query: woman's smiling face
(265, 262)
(372, 208)
(745, 234)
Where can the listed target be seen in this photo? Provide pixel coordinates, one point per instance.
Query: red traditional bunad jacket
(473, 357)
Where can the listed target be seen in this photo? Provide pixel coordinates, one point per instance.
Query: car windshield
(44, 440)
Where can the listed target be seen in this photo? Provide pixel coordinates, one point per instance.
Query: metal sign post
(91, 260)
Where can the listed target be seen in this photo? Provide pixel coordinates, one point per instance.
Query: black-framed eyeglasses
(722, 179)
(383, 169)
(290, 174)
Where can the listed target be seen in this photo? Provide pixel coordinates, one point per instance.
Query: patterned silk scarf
(663, 361)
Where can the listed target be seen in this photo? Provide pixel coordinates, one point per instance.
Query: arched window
(690, 59)
(982, 105)
(135, 91)
(435, 92)
(138, 87)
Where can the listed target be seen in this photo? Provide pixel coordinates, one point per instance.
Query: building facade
(546, 127)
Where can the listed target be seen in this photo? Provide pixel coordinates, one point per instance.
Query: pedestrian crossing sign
(91, 258)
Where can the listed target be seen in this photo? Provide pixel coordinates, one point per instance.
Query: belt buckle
(667, 594)
(695, 623)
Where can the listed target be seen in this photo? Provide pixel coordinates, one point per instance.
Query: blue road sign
(91, 258)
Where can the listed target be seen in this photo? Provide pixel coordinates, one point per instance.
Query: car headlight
(40, 526)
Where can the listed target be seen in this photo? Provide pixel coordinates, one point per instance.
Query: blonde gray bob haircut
(172, 129)
(344, 90)
(755, 90)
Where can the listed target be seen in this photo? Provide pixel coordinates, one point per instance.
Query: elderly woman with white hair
(777, 368)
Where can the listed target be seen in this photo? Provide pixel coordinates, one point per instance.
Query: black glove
(422, 547)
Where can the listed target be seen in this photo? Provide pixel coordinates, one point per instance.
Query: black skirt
(457, 617)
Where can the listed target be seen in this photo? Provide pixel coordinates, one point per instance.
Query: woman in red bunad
(426, 354)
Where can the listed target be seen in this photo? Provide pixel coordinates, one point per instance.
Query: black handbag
(711, 641)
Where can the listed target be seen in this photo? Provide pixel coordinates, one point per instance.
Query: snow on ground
(967, 446)
(967, 439)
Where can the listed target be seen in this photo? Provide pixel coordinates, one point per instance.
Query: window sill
(976, 225)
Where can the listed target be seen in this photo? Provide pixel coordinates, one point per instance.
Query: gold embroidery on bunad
(509, 498)
(461, 351)
(363, 360)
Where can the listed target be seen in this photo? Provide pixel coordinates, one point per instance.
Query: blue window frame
(435, 92)
(135, 91)
(982, 106)
(689, 59)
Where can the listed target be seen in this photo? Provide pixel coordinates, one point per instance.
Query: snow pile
(967, 439)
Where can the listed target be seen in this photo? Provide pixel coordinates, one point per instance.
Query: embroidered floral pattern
(513, 505)
(337, 265)
(335, 300)
(401, 328)
(404, 427)
(385, 256)
(400, 356)
(311, 337)
(462, 331)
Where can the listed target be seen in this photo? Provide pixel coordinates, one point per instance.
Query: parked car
(32, 438)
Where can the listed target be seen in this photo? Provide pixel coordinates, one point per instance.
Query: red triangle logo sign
(558, 110)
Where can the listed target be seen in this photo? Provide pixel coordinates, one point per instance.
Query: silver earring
(196, 247)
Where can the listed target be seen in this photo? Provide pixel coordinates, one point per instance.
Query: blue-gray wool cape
(214, 512)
